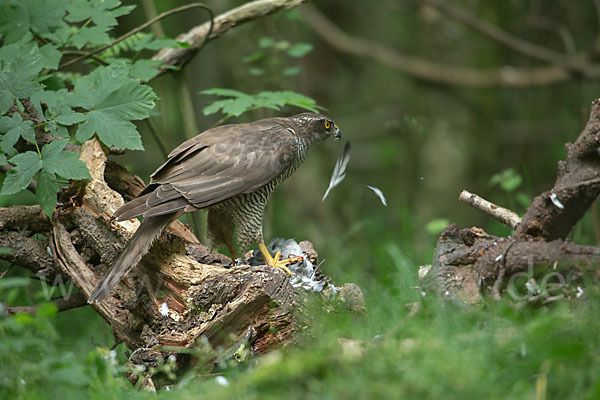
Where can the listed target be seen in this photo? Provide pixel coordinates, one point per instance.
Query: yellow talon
(276, 261)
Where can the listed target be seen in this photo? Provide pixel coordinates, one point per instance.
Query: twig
(515, 43)
(197, 36)
(157, 139)
(500, 278)
(543, 22)
(74, 301)
(431, 71)
(138, 29)
(83, 53)
(504, 215)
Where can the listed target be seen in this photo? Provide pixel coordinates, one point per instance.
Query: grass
(499, 350)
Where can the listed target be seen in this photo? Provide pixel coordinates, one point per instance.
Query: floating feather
(339, 172)
(379, 194)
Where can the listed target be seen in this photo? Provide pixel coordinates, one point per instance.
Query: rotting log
(182, 292)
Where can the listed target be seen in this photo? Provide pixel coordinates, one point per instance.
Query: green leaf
(64, 163)
(61, 36)
(46, 191)
(14, 22)
(144, 69)
(242, 102)
(254, 57)
(39, 16)
(13, 128)
(50, 56)
(70, 117)
(299, 49)
(57, 109)
(157, 44)
(14, 85)
(101, 12)
(93, 36)
(113, 100)
(291, 71)
(223, 92)
(3, 160)
(23, 57)
(509, 180)
(265, 42)
(26, 166)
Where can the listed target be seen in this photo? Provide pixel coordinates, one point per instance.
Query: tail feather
(138, 246)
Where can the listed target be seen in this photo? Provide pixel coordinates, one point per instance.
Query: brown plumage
(229, 170)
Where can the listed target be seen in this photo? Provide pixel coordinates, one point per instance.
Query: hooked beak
(338, 133)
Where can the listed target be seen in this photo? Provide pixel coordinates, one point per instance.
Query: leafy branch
(141, 28)
(238, 103)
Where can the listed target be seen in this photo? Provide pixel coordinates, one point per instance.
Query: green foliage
(13, 128)
(103, 101)
(273, 57)
(112, 100)
(436, 226)
(239, 103)
(100, 12)
(509, 180)
(51, 162)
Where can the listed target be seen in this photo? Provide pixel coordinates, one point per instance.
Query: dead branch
(553, 213)
(436, 72)
(63, 304)
(222, 23)
(504, 215)
(512, 42)
(468, 262)
(27, 252)
(24, 218)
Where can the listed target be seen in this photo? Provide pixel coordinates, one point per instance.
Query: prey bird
(231, 171)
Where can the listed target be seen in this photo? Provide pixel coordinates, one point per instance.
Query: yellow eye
(327, 124)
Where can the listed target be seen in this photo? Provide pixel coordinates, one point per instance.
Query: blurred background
(402, 80)
(435, 97)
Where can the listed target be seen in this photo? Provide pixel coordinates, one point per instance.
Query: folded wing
(214, 166)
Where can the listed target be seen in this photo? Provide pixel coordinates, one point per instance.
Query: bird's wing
(216, 165)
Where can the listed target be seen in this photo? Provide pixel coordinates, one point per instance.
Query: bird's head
(316, 127)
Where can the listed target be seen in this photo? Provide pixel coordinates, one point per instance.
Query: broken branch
(504, 215)
(222, 23)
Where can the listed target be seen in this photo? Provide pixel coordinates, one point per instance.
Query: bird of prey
(231, 171)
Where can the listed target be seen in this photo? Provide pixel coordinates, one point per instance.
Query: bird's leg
(276, 261)
(232, 252)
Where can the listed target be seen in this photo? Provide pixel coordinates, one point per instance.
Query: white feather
(339, 171)
(379, 194)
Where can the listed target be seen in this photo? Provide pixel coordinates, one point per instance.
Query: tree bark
(468, 263)
(181, 292)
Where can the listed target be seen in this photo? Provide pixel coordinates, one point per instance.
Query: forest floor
(406, 346)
